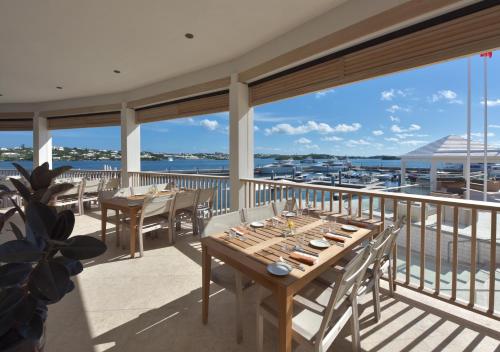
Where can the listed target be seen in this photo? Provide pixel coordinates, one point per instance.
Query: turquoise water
(165, 165)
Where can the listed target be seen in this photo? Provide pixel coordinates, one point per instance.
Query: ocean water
(201, 164)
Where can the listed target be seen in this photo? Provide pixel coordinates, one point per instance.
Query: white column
(403, 173)
(433, 176)
(42, 141)
(241, 163)
(130, 144)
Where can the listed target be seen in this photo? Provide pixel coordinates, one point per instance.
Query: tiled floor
(153, 304)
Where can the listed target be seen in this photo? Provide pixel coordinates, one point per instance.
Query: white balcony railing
(448, 248)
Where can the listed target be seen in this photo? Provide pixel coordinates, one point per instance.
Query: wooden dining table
(129, 206)
(262, 246)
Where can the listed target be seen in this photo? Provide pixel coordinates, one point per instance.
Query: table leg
(133, 232)
(206, 275)
(104, 218)
(117, 219)
(285, 314)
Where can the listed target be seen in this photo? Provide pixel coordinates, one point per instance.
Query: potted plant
(36, 267)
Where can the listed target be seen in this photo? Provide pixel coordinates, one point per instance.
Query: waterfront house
(72, 65)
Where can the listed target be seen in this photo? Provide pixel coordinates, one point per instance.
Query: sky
(388, 115)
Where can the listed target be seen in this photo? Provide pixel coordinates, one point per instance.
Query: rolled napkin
(304, 258)
(335, 237)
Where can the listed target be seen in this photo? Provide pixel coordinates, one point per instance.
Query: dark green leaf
(17, 231)
(64, 226)
(83, 247)
(74, 266)
(21, 188)
(20, 251)
(5, 216)
(58, 171)
(41, 177)
(50, 280)
(19, 210)
(9, 299)
(14, 274)
(41, 219)
(22, 171)
(55, 190)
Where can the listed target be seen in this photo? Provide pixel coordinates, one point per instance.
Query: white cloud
(270, 117)
(391, 139)
(378, 132)
(323, 93)
(397, 129)
(412, 142)
(492, 103)
(387, 94)
(478, 134)
(303, 140)
(311, 146)
(332, 139)
(394, 118)
(494, 126)
(256, 128)
(447, 95)
(209, 124)
(390, 94)
(354, 142)
(394, 108)
(311, 126)
(347, 128)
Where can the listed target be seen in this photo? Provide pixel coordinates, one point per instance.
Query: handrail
(433, 225)
(377, 193)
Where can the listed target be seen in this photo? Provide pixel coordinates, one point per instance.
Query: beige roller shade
(199, 105)
(460, 33)
(82, 121)
(16, 121)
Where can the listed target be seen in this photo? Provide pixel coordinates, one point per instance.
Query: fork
(297, 266)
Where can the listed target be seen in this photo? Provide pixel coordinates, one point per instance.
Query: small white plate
(279, 269)
(349, 228)
(257, 224)
(319, 243)
(290, 214)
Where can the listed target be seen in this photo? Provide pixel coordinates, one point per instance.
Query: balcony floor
(153, 304)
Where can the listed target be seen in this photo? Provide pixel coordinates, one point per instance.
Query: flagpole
(469, 123)
(485, 161)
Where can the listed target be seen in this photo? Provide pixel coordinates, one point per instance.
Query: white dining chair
(258, 213)
(224, 275)
(71, 197)
(184, 207)
(321, 311)
(204, 207)
(155, 214)
(285, 205)
(90, 193)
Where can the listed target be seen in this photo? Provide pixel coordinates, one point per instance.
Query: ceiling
(77, 44)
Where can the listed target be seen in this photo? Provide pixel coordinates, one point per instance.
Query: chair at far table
(284, 205)
(204, 208)
(321, 311)
(224, 275)
(184, 207)
(155, 214)
(258, 213)
(71, 197)
(90, 193)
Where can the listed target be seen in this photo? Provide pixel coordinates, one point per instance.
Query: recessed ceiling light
(59, 87)
(116, 71)
(189, 35)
